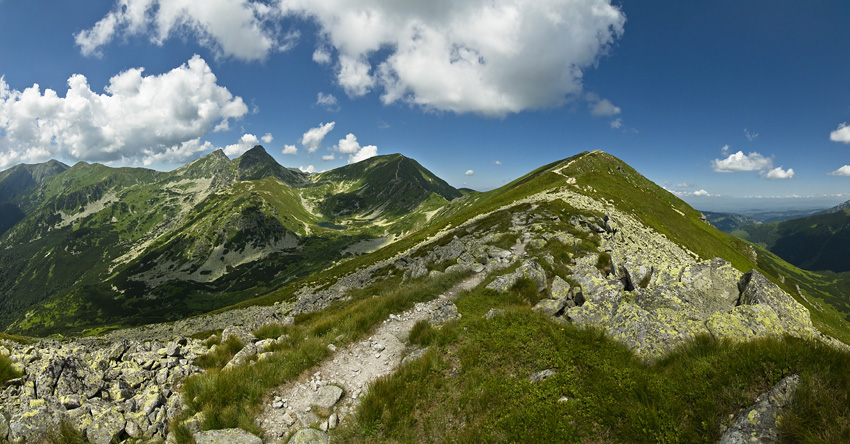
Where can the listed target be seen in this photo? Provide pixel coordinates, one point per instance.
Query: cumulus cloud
(843, 171)
(469, 172)
(742, 162)
(779, 173)
(349, 145)
(701, 192)
(267, 138)
(497, 162)
(290, 149)
(327, 101)
(183, 105)
(327, 157)
(246, 142)
(491, 57)
(600, 107)
(312, 139)
(842, 134)
(247, 30)
(307, 169)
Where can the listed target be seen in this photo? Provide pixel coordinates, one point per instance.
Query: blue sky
(480, 92)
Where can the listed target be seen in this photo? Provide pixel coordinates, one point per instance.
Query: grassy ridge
(473, 385)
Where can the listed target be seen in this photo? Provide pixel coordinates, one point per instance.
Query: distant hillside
(728, 222)
(18, 180)
(840, 207)
(819, 242)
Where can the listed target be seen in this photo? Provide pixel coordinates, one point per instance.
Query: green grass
(473, 385)
(223, 353)
(232, 398)
(7, 371)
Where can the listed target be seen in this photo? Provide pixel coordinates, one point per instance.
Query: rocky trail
(334, 388)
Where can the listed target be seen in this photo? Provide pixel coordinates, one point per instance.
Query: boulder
(541, 375)
(238, 333)
(241, 357)
(528, 269)
(226, 436)
(107, 425)
(308, 436)
(4, 427)
(443, 314)
(551, 307)
(560, 288)
(793, 317)
(758, 423)
(327, 396)
(32, 425)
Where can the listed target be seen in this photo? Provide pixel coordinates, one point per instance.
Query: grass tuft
(7, 370)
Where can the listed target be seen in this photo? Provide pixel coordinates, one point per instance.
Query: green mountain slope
(818, 242)
(16, 181)
(128, 246)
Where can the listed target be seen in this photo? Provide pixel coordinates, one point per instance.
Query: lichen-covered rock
(4, 427)
(443, 314)
(327, 396)
(560, 288)
(226, 436)
(308, 436)
(793, 317)
(242, 356)
(551, 307)
(745, 322)
(107, 425)
(529, 269)
(759, 423)
(32, 425)
(238, 333)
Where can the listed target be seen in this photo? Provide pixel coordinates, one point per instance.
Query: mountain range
(580, 302)
(92, 246)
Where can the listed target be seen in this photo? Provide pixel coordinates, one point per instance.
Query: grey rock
(327, 396)
(32, 426)
(414, 355)
(106, 426)
(560, 288)
(4, 426)
(493, 313)
(308, 436)
(757, 289)
(528, 269)
(226, 436)
(241, 357)
(443, 314)
(551, 307)
(758, 423)
(238, 333)
(541, 375)
(306, 419)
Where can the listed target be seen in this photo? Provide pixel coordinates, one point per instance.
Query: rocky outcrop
(529, 269)
(760, 422)
(108, 392)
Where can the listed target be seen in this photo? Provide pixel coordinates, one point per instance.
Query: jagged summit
(257, 164)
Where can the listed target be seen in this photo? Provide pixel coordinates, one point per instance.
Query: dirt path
(352, 369)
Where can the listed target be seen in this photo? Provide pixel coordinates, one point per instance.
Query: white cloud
(491, 57)
(842, 134)
(603, 108)
(750, 136)
(327, 101)
(307, 169)
(183, 105)
(322, 56)
(290, 149)
(702, 193)
(267, 138)
(246, 142)
(497, 162)
(330, 156)
(469, 172)
(843, 171)
(355, 152)
(245, 29)
(617, 123)
(742, 162)
(312, 139)
(779, 173)
(349, 145)
(724, 150)
(364, 153)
